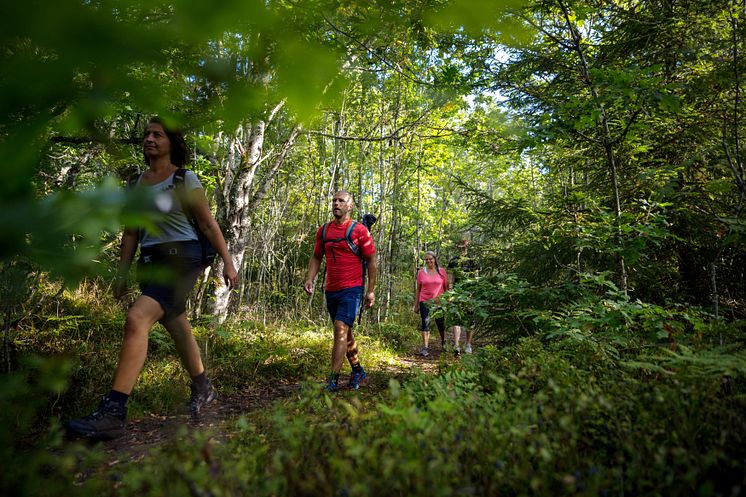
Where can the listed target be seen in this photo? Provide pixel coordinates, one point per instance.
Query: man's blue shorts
(343, 305)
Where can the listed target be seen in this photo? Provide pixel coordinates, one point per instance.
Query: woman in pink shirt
(432, 281)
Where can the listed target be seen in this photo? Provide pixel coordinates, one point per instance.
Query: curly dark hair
(179, 150)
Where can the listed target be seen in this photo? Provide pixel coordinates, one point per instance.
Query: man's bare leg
(425, 342)
(352, 354)
(339, 349)
(456, 337)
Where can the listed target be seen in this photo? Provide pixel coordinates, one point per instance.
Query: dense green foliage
(618, 398)
(542, 417)
(591, 151)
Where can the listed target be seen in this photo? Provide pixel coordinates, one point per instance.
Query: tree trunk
(607, 139)
(238, 196)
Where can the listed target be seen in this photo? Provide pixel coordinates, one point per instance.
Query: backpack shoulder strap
(348, 233)
(208, 251)
(350, 243)
(347, 238)
(178, 180)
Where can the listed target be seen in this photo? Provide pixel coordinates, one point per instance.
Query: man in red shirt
(344, 283)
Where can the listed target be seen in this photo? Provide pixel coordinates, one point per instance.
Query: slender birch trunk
(238, 196)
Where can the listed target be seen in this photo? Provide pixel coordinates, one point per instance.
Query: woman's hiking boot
(202, 394)
(105, 423)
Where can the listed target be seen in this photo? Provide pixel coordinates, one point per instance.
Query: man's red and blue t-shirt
(343, 268)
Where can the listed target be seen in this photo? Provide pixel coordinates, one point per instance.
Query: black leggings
(440, 322)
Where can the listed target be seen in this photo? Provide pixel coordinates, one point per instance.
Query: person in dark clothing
(170, 262)
(462, 267)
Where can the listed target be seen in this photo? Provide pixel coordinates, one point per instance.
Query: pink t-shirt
(431, 285)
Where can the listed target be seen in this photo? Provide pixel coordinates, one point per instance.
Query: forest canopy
(589, 151)
(565, 112)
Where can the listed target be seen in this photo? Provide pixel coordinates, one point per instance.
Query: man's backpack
(208, 251)
(368, 221)
(348, 238)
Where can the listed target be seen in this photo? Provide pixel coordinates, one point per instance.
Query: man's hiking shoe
(332, 385)
(358, 379)
(105, 423)
(457, 351)
(201, 396)
(424, 352)
(467, 349)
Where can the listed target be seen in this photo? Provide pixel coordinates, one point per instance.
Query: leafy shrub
(529, 419)
(394, 335)
(194, 463)
(593, 310)
(33, 458)
(575, 410)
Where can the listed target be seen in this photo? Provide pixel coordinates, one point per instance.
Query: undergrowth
(605, 397)
(526, 421)
(86, 330)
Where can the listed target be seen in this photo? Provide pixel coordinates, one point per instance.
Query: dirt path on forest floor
(150, 432)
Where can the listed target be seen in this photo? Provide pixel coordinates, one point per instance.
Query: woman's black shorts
(167, 273)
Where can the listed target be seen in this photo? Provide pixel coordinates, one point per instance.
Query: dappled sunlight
(573, 171)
